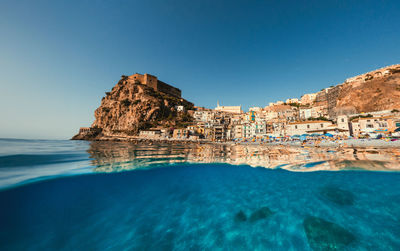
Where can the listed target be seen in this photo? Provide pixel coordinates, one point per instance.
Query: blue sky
(57, 58)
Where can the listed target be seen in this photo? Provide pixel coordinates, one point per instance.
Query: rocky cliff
(131, 106)
(374, 93)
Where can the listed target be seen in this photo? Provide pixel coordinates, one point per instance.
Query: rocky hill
(131, 106)
(374, 92)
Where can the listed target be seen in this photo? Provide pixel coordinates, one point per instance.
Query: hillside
(374, 94)
(131, 106)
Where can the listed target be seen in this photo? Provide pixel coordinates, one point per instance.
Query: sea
(79, 195)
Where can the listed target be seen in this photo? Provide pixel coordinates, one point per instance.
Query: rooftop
(310, 122)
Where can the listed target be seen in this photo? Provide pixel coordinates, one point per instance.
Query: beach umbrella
(397, 130)
(328, 135)
(305, 135)
(296, 136)
(315, 135)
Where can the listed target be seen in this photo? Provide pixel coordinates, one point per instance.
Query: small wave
(18, 160)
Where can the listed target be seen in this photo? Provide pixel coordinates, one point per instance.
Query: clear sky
(57, 58)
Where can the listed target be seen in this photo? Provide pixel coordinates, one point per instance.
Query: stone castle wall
(373, 74)
(166, 88)
(156, 84)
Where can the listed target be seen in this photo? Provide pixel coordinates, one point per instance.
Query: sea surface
(77, 195)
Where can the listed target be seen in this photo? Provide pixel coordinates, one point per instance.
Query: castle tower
(150, 81)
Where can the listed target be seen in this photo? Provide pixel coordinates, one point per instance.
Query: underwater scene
(77, 195)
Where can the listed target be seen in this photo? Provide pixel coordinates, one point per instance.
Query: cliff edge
(131, 106)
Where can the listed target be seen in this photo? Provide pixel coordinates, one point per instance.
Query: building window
(322, 125)
(308, 126)
(342, 120)
(295, 127)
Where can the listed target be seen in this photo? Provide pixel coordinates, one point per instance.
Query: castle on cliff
(156, 84)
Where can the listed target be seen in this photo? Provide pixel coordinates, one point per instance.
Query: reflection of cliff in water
(119, 156)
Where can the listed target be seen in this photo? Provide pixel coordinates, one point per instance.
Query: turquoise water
(187, 206)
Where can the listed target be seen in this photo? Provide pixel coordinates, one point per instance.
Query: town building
(255, 109)
(308, 127)
(305, 113)
(150, 133)
(237, 131)
(343, 123)
(89, 130)
(292, 101)
(230, 109)
(181, 133)
(367, 125)
(308, 99)
(319, 111)
(219, 133)
(203, 115)
(276, 103)
(180, 108)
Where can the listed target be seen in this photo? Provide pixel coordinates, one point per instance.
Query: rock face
(337, 195)
(376, 94)
(131, 106)
(325, 235)
(373, 91)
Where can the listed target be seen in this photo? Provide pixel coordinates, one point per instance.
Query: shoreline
(345, 143)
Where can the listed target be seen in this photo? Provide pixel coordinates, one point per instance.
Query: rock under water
(337, 195)
(325, 235)
(240, 216)
(262, 213)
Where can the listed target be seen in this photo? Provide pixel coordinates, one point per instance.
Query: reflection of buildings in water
(118, 156)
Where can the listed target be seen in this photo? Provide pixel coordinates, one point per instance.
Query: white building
(150, 133)
(237, 131)
(292, 101)
(343, 123)
(307, 99)
(251, 130)
(180, 108)
(278, 129)
(276, 103)
(255, 109)
(306, 127)
(231, 109)
(305, 113)
(204, 116)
